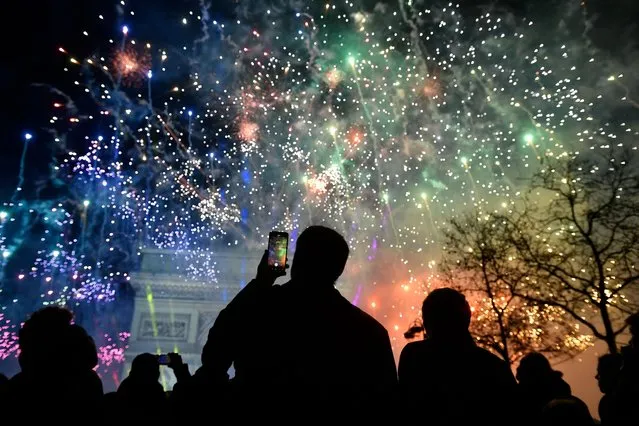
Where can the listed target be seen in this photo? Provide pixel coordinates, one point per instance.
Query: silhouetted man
(141, 395)
(608, 372)
(448, 380)
(302, 352)
(624, 408)
(538, 385)
(57, 359)
(565, 411)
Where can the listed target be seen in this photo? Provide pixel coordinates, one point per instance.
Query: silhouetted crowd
(303, 354)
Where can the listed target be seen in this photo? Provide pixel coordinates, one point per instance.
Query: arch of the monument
(173, 313)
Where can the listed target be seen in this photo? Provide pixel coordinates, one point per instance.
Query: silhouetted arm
(222, 345)
(219, 351)
(407, 367)
(511, 413)
(388, 373)
(382, 387)
(411, 375)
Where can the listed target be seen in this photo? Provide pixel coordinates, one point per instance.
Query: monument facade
(173, 313)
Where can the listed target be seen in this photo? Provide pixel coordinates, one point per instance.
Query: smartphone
(163, 359)
(277, 249)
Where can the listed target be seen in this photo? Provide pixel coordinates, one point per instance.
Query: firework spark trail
(23, 159)
(380, 191)
(626, 89)
(204, 9)
(121, 70)
(414, 34)
(147, 157)
(310, 43)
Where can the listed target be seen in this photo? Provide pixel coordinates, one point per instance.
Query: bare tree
(578, 239)
(481, 261)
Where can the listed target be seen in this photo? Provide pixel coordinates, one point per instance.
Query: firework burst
(131, 65)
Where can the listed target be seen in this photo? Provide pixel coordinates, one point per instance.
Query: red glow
(248, 131)
(131, 65)
(432, 88)
(333, 78)
(355, 136)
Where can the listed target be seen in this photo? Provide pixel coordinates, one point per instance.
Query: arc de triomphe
(173, 313)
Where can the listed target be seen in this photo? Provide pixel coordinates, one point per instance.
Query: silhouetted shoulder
(424, 349)
(357, 315)
(415, 356)
(368, 321)
(331, 303)
(487, 357)
(416, 349)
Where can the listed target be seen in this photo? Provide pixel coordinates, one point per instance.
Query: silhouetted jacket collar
(461, 342)
(311, 288)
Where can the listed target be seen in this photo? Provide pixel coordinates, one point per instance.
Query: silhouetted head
(41, 323)
(445, 313)
(83, 354)
(633, 325)
(608, 370)
(320, 255)
(533, 367)
(145, 367)
(41, 338)
(566, 411)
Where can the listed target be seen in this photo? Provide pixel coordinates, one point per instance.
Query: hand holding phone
(277, 250)
(273, 263)
(164, 359)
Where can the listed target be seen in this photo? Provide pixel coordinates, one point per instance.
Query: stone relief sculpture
(169, 327)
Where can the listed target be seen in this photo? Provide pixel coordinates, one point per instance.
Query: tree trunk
(504, 338)
(609, 332)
